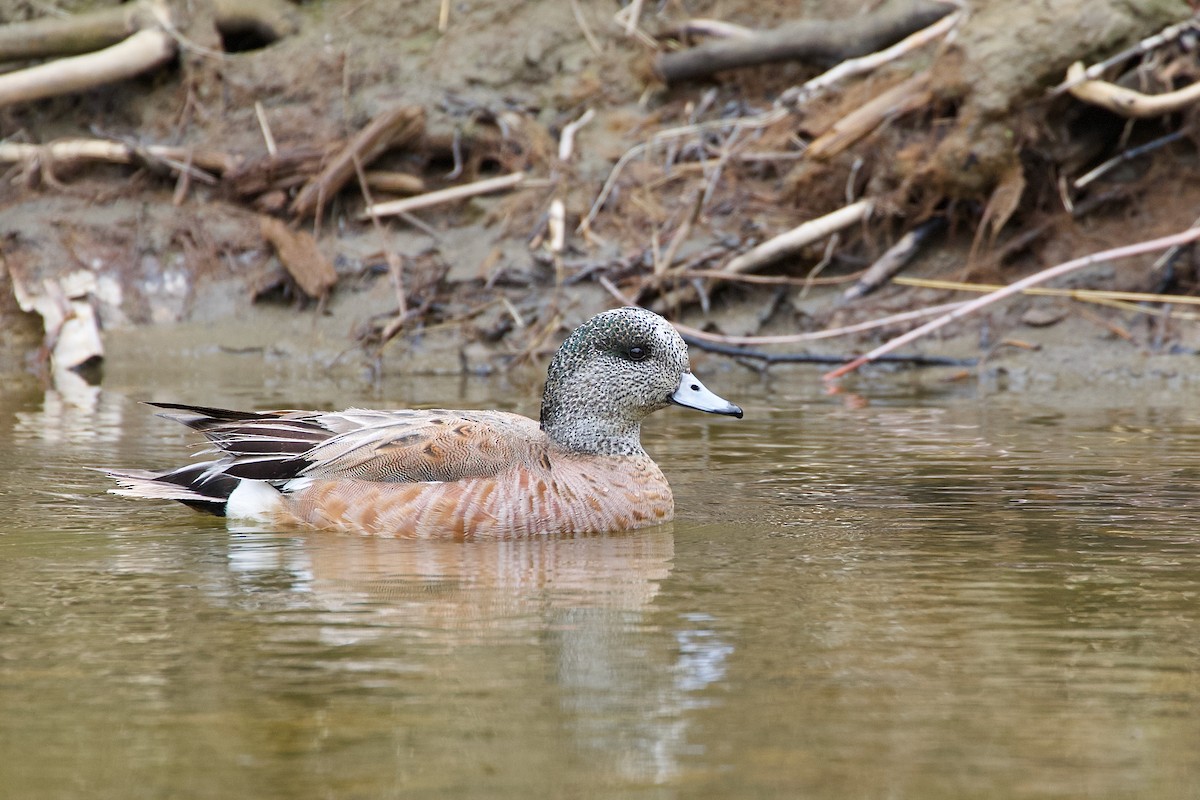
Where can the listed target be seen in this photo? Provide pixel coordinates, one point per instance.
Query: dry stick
(1126, 156)
(94, 30)
(393, 128)
(487, 186)
(265, 127)
(1127, 102)
(1161, 243)
(67, 150)
(566, 142)
(395, 267)
(142, 51)
(857, 66)
(897, 101)
(581, 21)
(894, 259)
(820, 41)
(1164, 36)
(782, 245)
(792, 338)
(1084, 295)
(71, 35)
(800, 237)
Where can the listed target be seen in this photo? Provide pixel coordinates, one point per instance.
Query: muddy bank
(664, 186)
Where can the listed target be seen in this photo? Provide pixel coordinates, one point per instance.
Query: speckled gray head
(611, 373)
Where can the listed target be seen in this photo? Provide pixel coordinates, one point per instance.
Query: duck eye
(637, 353)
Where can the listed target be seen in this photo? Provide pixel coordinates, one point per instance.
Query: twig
(716, 28)
(581, 21)
(265, 126)
(1127, 251)
(566, 142)
(894, 260)
(670, 134)
(1128, 155)
(395, 266)
(798, 95)
(1127, 102)
(68, 150)
(681, 234)
(897, 101)
(393, 128)
(632, 13)
(792, 338)
(1096, 70)
(800, 237)
(816, 41)
(487, 186)
(811, 358)
(1086, 295)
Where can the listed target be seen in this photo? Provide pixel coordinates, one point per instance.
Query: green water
(936, 595)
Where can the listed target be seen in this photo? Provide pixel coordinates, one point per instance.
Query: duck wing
(389, 446)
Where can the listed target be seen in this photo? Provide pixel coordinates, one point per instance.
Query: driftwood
(142, 51)
(894, 260)
(117, 43)
(49, 37)
(823, 42)
(393, 128)
(297, 251)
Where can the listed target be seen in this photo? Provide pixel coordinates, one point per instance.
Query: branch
(811, 358)
(142, 51)
(1127, 102)
(1162, 243)
(49, 37)
(396, 207)
(819, 41)
(393, 128)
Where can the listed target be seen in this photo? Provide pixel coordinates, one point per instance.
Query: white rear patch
(254, 500)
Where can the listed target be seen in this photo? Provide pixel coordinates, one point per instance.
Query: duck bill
(691, 393)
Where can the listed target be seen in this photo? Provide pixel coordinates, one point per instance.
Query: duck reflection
(552, 642)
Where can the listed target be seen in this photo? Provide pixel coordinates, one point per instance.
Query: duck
(436, 473)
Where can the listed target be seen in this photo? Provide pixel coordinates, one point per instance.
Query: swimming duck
(465, 474)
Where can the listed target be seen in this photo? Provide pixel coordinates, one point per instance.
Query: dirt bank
(691, 175)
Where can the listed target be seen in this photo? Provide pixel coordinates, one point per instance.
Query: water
(937, 594)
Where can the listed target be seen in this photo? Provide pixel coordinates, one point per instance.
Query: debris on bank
(668, 167)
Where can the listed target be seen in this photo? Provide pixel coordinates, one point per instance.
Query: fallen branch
(1127, 102)
(1165, 36)
(894, 259)
(66, 151)
(800, 237)
(49, 37)
(780, 246)
(395, 207)
(901, 99)
(394, 128)
(297, 251)
(816, 41)
(1190, 235)
(142, 51)
(790, 338)
(811, 358)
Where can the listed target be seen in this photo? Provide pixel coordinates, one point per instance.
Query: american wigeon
(458, 473)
